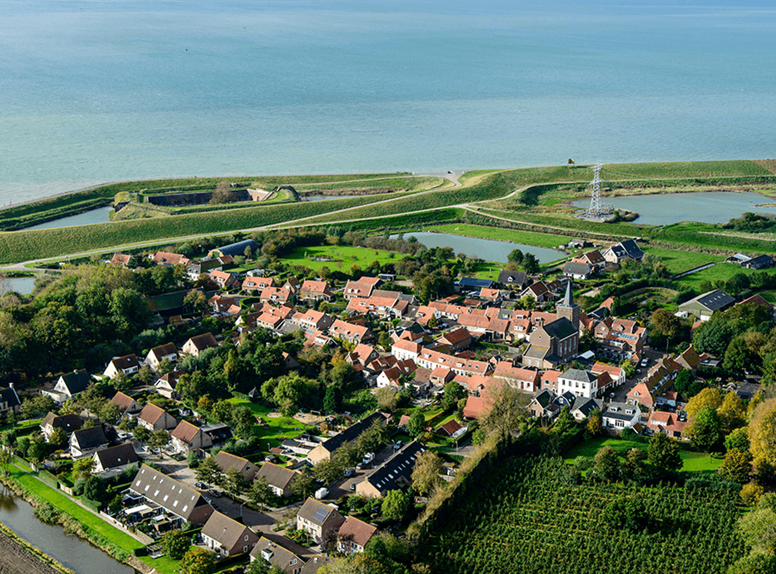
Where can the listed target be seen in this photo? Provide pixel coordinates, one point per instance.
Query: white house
(128, 364)
(579, 383)
(618, 416)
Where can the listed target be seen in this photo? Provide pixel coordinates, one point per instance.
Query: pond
(323, 197)
(486, 249)
(703, 207)
(72, 552)
(99, 215)
(21, 285)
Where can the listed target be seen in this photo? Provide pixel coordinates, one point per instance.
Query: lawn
(513, 235)
(343, 256)
(280, 428)
(693, 461)
(721, 272)
(679, 261)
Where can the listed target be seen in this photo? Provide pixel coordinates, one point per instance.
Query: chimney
(10, 385)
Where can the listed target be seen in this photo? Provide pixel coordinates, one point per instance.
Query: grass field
(280, 428)
(693, 461)
(344, 255)
(721, 272)
(677, 261)
(516, 236)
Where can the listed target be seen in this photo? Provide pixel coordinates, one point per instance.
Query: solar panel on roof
(320, 515)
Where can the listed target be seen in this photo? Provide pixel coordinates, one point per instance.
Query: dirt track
(16, 559)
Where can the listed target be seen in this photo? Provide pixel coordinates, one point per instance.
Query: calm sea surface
(103, 91)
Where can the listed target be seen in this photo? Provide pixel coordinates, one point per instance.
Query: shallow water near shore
(108, 91)
(72, 552)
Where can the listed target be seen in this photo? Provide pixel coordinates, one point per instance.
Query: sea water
(93, 91)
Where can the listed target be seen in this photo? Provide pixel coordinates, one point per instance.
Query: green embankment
(480, 187)
(25, 245)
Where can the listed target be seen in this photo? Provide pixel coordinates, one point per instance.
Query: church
(555, 343)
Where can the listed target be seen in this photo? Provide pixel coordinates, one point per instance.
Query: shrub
(751, 493)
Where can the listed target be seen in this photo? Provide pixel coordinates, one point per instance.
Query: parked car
(350, 472)
(201, 485)
(644, 362)
(397, 445)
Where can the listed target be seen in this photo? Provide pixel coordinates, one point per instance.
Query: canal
(72, 552)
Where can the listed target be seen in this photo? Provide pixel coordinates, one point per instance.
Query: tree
(665, 324)
(197, 561)
(425, 475)
(35, 407)
(738, 439)
(663, 453)
(82, 468)
(159, 439)
(195, 299)
(303, 485)
(515, 256)
(629, 513)
(530, 263)
(260, 493)
(95, 488)
(737, 466)
(707, 397)
(506, 409)
(234, 482)
(142, 434)
(453, 392)
(208, 471)
(705, 429)
(387, 399)
(395, 505)
(58, 437)
(635, 467)
(606, 464)
(371, 439)
(762, 433)
(758, 529)
(175, 543)
(594, 426)
(732, 412)
(243, 420)
(332, 401)
(417, 423)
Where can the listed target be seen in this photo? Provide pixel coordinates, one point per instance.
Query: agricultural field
(678, 261)
(693, 461)
(499, 234)
(342, 257)
(530, 519)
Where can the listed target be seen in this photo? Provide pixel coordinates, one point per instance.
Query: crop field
(514, 235)
(534, 521)
(678, 261)
(343, 257)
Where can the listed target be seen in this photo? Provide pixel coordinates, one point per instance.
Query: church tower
(567, 308)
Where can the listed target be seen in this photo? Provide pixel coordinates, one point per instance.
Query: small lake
(99, 215)
(21, 285)
(323, 197)
(74, 553)
(703, 207)
(486, 249)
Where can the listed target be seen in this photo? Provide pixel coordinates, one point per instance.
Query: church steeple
(567, 308)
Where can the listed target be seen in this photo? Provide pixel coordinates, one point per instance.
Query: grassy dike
(479, 186)
(75, 519)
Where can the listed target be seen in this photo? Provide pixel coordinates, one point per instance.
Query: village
(309, 414)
